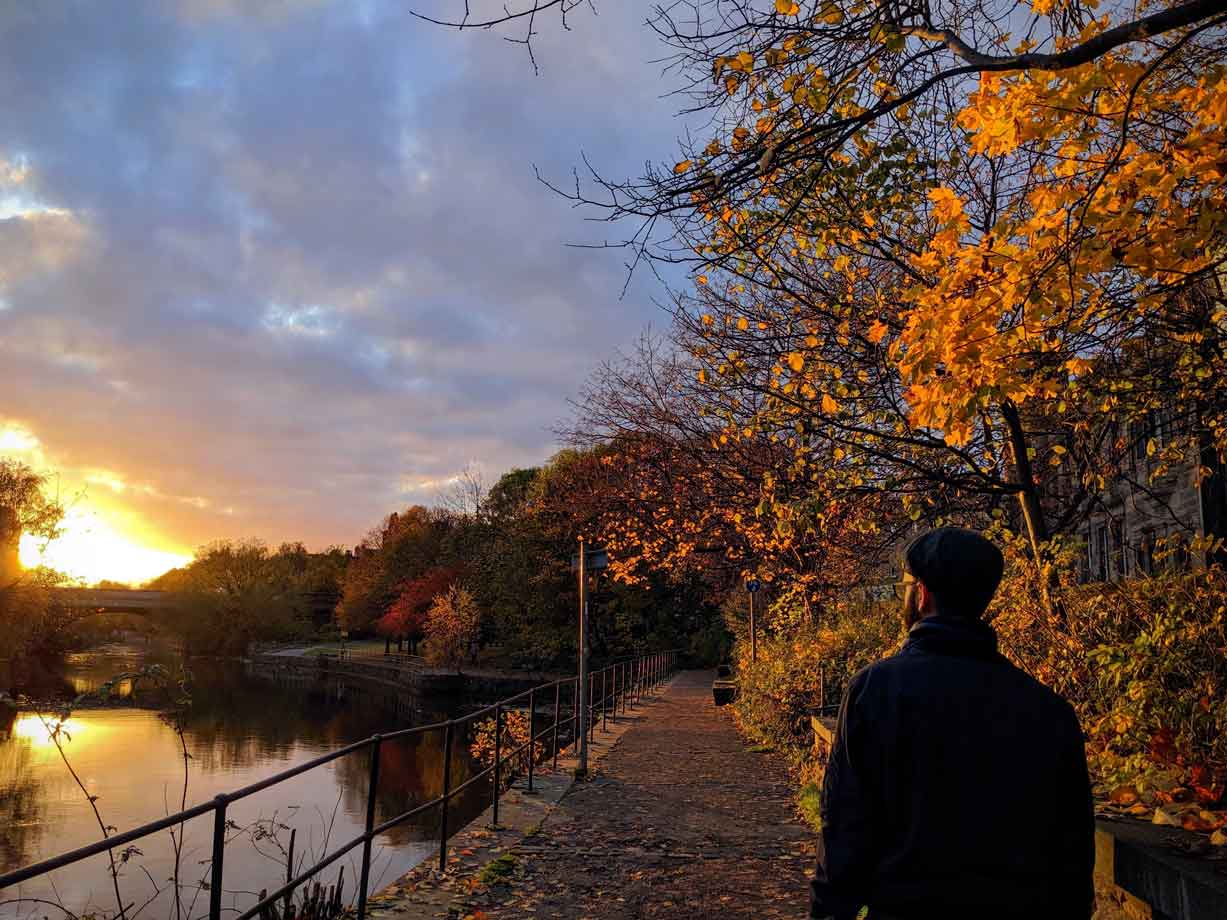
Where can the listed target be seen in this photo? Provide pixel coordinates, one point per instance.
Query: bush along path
(679, 819)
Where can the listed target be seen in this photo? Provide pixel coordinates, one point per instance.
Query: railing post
(617, 700)
(557, 713)
(447, 794)
(532, 734)
(498, 760)
(371, 788)
(604, 699)
(591, 711)
(575, 724)
(217, 870)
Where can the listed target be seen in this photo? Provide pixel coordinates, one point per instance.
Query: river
(238, 728)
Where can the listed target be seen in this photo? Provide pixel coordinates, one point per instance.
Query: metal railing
(622, 685)
(374, 654)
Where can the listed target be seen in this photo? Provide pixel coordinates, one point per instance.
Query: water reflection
(21, 805)
(238, 729)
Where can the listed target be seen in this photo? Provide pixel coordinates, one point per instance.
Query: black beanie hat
(960, 567)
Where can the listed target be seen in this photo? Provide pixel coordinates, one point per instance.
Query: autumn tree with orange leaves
(1011, 214)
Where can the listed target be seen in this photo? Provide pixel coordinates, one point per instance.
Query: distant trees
(404, 547)
(508, 550)
(237, 592)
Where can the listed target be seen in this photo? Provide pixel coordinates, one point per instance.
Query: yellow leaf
(787, 7)
(947, 206)
(743, 324)
(681, 167)
(701, 279)
(877, 332)
(796, 361)
(829, 405)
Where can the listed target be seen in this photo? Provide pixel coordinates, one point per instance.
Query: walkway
(679, 821)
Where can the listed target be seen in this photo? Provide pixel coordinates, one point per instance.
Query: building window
(1101, 552)
(1141, 434)
(1146, 553)
(1119, 562)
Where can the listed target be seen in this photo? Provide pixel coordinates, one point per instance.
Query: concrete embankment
(399, 683)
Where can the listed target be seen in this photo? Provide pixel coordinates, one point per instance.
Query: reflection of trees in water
(411, 773)
(234, 721)
(21, 802)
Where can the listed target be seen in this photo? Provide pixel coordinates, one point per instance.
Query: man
(957, 785)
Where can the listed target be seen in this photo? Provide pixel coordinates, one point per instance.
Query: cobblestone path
(680, 820)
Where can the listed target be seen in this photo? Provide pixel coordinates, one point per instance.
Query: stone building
(1145, 518)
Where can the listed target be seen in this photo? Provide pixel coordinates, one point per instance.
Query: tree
(403, 547)
(453, 626)
(996, 227)
(28, 620)
(406, 619)
(232, 594)
(25, 508)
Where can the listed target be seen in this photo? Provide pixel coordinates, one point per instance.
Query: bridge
(111, 600)
(85, 602)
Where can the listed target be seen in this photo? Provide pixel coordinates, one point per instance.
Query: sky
(274, 269)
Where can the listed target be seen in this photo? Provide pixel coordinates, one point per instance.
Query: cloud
(287, 259)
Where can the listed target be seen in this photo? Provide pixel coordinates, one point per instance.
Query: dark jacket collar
(952, 635)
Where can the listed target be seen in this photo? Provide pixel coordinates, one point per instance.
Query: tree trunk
(1032, 510)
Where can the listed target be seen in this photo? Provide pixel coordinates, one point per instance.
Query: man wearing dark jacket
(957, 785)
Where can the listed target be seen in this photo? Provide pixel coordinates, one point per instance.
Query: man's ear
(925, 602)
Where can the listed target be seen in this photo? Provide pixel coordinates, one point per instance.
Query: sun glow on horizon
(91, 549)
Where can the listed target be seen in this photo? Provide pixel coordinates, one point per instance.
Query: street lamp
(752, 587)
(581, 562)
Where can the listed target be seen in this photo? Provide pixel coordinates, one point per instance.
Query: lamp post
(752, 587)
(581, 562)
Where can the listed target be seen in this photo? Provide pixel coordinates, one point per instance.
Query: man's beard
(911, 606)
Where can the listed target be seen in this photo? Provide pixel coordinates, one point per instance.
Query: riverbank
(679, 819)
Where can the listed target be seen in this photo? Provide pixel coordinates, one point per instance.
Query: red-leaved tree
(406, 618)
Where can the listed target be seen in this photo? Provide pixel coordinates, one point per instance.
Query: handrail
(630, 679)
